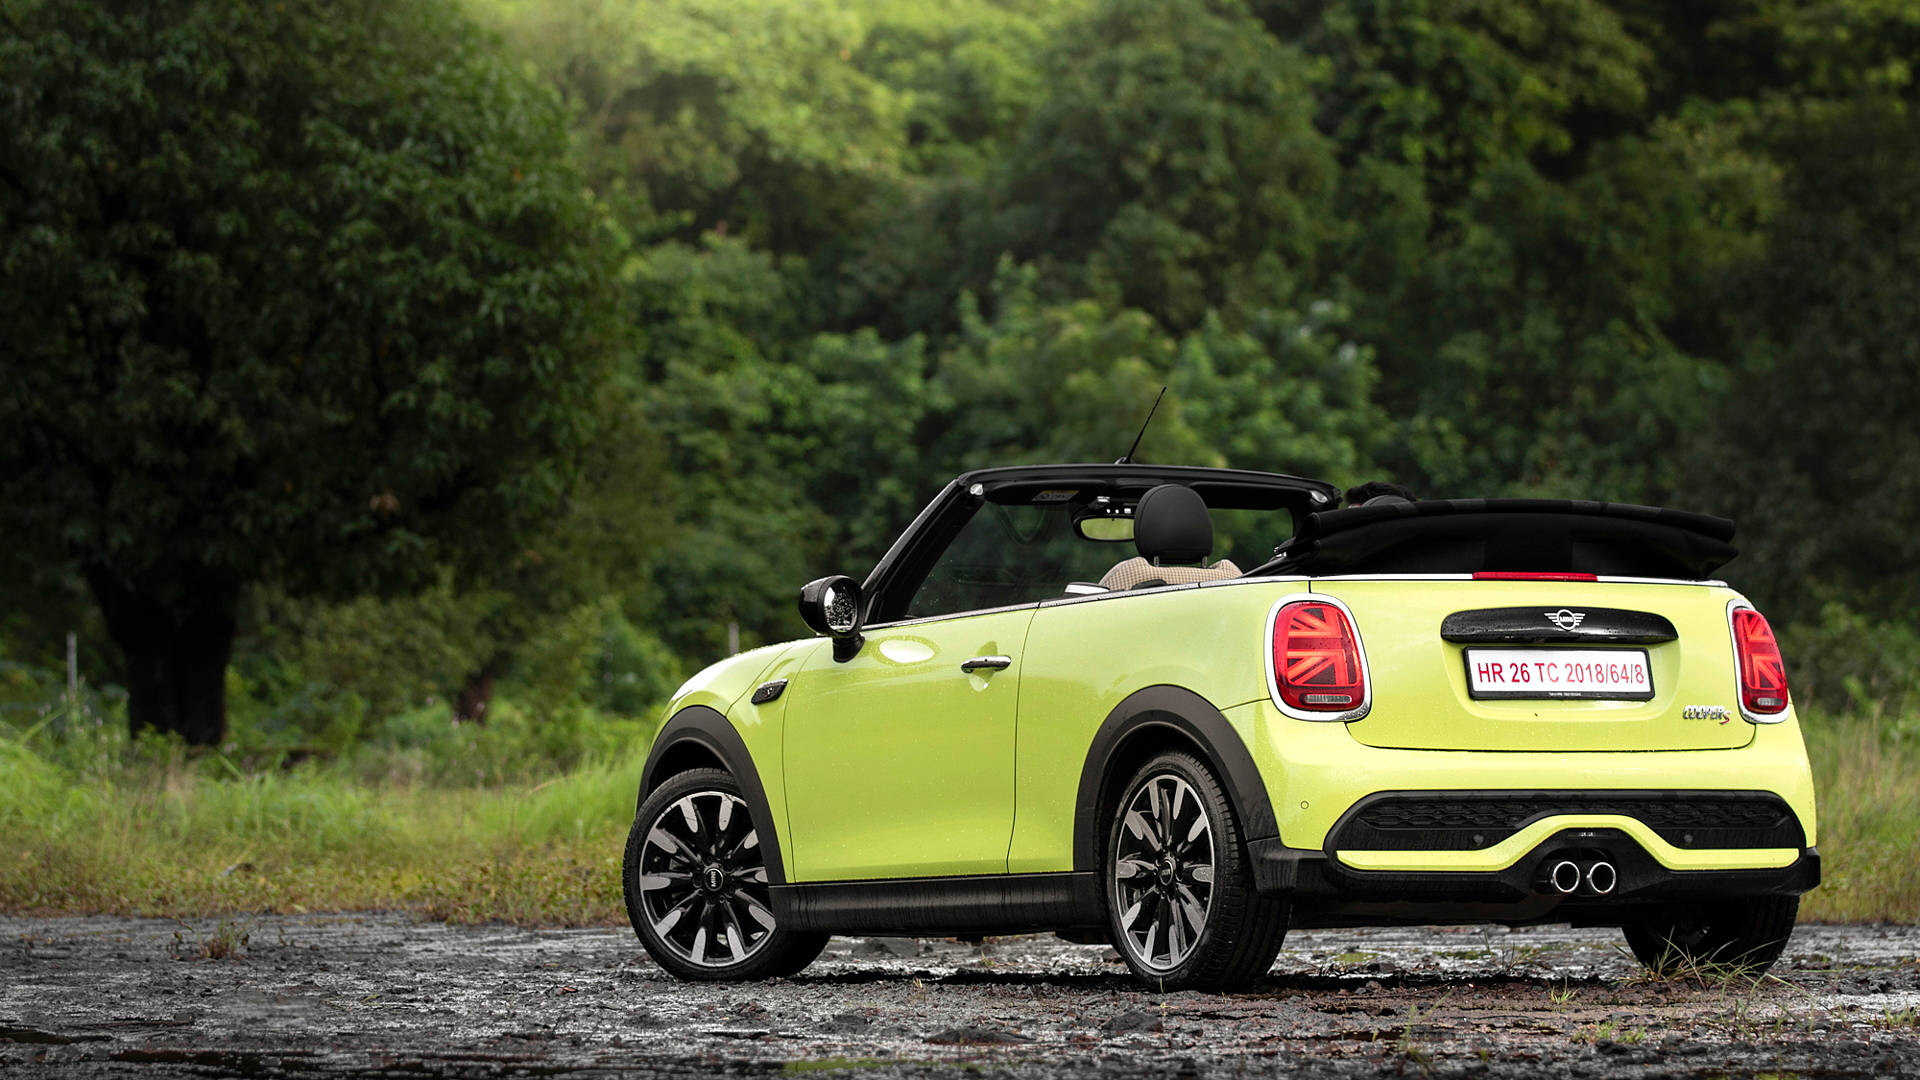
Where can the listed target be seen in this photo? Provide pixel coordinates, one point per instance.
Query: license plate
(1615, 674)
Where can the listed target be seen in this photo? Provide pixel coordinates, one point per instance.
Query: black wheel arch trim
(705, 727)
(1177, 710)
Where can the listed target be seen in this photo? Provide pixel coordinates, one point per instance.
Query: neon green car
(1180, 710)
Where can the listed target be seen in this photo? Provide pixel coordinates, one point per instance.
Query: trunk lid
(1421, 635)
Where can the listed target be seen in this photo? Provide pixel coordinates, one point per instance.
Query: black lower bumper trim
(1311, 876)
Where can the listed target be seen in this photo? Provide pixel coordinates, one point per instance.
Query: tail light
(1318, 667)
(1763, 675)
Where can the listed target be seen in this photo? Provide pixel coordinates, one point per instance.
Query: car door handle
(992, 663)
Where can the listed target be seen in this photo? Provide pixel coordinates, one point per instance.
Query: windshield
(1023, 553)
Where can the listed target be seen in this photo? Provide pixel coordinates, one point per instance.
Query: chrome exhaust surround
(1601, 877)
(1564, 877)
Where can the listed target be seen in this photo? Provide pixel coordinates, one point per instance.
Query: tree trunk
(470, 706)
(176, 661)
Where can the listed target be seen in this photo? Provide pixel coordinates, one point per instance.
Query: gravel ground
(316, 996)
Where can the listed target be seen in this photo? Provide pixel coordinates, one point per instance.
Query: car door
(899, 761)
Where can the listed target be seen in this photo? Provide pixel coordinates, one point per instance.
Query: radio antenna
(1127, 458)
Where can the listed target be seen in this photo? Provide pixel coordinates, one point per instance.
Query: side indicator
(767, 691)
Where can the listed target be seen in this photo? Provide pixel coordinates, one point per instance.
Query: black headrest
(1170, 524)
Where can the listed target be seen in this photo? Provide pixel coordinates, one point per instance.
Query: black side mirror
(833, 606)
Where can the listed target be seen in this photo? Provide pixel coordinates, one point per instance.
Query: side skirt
(977, 904)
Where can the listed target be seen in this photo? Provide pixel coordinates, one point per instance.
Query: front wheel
(695, 879)
(1181, 901)
(1731, 936)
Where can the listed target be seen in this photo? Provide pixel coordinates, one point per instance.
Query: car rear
(1541, 744)
(1647, 760)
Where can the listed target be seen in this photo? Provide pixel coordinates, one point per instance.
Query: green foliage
(719, 330)
(325, 674)
(1785, 49)
(1455, 89)
(338, 319)
(1519, 233)
(1042, 382)
(1828, 326)
(705, 114)
(1289, 392)
(1863, 768)
(969, 73)
(1847, 662)
(442, 821)
(633, 672)
(1173, 166)
(222, 255)
(330, 314)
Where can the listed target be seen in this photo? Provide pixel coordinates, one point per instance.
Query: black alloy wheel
(1181, 903)
(695, 880)
(1163, 872)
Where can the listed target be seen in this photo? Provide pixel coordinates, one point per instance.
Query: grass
(1866, 770)
(1609, 1031)
(101, 826)
(169, 835)
(1676, 968)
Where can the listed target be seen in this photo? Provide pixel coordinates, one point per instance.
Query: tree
(1522, 235)
(1174, 166)
(704, 114)
(303, 292)
(789, 455)
(1815, 450)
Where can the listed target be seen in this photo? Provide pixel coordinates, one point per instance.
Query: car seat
(1170, 528)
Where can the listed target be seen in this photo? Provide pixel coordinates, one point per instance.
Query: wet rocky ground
(387, 995)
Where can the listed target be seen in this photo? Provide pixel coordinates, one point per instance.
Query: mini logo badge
(1566, 620)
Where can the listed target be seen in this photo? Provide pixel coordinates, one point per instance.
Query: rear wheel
(695, 879)
(1743, 936)
(1181, 902)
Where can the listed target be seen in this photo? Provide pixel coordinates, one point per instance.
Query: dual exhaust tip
(1598, 878)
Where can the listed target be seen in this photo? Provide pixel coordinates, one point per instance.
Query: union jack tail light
(1763, 674)
(1317, 665)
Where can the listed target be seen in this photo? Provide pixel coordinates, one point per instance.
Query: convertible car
(1180, 710)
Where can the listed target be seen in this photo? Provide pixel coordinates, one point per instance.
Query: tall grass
(93, 824)
(1866, 769)
(167, 834)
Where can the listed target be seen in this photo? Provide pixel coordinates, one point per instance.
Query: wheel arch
(1147, 722)
(699, 737)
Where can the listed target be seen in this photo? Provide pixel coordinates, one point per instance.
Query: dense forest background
(369, 368)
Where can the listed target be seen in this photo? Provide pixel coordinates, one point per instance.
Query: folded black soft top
(1455, 536)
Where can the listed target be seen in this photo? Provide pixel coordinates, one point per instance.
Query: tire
(1742, 936)
(1183, 911)
(696, 885)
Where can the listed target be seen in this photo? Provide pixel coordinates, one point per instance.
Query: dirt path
(337, 995)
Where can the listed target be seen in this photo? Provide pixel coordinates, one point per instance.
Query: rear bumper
(1316, 774)
(1315, 881)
